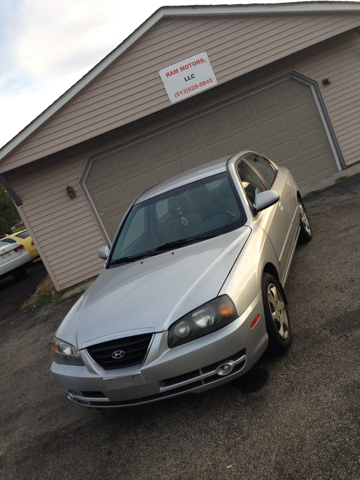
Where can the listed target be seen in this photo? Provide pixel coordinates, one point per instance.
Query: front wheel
(276, 316)
(305, 227)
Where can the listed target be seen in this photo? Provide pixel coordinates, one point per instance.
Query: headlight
(204, 320)
(63, 352)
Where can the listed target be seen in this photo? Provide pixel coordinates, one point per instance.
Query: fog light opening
(70, 396)
(225, 368)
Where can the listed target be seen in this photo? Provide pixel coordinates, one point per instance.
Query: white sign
(187, 78)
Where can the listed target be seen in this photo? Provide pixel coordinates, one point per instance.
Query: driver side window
(250, 181)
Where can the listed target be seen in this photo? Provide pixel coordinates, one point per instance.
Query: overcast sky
(47, 45)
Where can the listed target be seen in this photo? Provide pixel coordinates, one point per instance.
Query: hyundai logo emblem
(118, 354)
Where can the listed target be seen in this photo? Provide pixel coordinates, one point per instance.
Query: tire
(305, 227)
(276, 316)
(19, 274)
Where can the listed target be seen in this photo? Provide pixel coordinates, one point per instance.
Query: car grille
(122, 352)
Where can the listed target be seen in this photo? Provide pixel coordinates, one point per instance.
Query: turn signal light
(226, 310)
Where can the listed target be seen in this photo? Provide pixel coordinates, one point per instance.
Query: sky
(48, 45)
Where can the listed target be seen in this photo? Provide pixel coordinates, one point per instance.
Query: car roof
(197, 173)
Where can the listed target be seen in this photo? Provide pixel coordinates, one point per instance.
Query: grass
(18, 229)
(341, 179)
(45, 293)
(313, 192)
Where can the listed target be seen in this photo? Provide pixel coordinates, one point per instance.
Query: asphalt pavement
(292, 417)
(14, 292)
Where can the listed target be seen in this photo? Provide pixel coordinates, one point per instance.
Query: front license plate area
(124, 381)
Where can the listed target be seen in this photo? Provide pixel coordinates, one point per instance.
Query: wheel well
(271, 269)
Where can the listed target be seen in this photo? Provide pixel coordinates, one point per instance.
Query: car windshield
(188, 214)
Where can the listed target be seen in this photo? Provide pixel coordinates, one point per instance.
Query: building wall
(65, 231)
(131, 87)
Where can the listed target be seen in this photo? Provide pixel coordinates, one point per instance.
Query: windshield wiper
(182, 241)
(134, 258)
(161, 248)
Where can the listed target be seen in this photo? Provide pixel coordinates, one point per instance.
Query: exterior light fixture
(71, 192)
(326, 82)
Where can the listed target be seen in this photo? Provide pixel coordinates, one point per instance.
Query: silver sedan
(192, 291)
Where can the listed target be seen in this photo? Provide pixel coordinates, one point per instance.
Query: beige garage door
(281, 122)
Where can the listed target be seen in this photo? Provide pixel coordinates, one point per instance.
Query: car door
(259, 174)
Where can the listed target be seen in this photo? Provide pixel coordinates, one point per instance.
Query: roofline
(195, 10)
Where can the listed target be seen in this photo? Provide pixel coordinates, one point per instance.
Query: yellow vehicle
(24, 238)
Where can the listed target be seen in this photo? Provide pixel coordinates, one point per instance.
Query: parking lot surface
(14, 292)
(294, 417)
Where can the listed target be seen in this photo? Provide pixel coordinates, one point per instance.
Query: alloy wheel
(278, 311)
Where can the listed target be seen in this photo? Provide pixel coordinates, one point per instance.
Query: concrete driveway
(295, 417)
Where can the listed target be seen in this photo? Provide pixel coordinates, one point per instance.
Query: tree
(9, 216)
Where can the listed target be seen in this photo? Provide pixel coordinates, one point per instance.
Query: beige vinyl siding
(131, 88)
(64, 230)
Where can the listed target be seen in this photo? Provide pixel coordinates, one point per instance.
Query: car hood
(150, 294)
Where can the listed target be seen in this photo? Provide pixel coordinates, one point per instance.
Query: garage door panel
(280, 121)
(155, 148)
(311, 140)
(183, 135)
(127, 159)
(301, 115)
(274, 127)
(139, 184)
(249, 137)
(193, 159)
(101, 170)
(284, 152)
(238, 115)
(293, 91)
(299, 173)
(110, 196)
(164, 172)
(265, 102)
(220, 148)
(210, 124)
(317, 166)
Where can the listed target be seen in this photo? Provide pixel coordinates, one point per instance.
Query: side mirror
(265, 199)
(104, 252)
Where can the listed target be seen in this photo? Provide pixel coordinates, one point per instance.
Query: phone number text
(188, 90)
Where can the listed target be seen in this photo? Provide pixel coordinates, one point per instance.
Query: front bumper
(193, 367)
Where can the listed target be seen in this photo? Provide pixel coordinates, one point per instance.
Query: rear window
(23, 235)
(9, 240)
